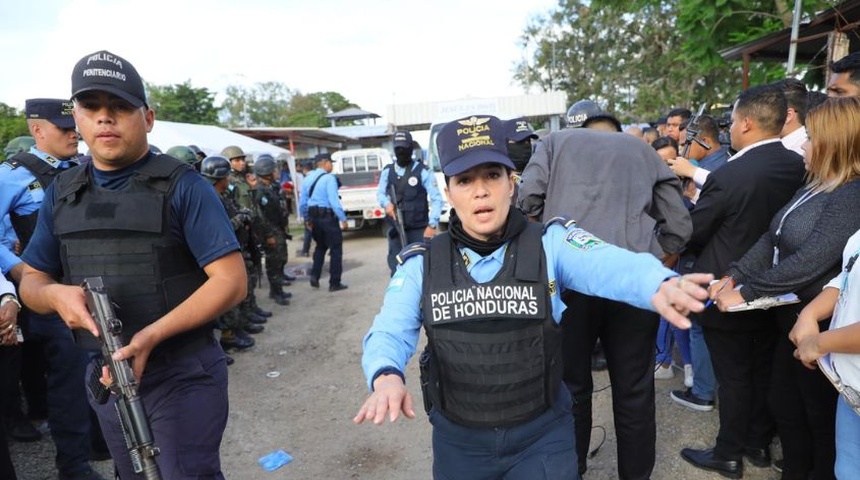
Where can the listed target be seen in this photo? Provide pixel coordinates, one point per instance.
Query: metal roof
(352, 114)
(317, 137)
(811, 41)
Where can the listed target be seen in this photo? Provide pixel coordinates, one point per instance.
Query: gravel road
(299, 387)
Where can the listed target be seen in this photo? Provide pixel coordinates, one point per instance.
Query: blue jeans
(847, 440)
(669, 335)
(704, 381)
(541, 449)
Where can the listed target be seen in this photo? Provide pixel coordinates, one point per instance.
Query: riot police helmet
(215, 167)
(583, 112)
(265, 164)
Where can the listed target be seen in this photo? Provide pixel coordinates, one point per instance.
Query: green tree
(273, 104)
(640, 57)
(12, 124)
(183, 103)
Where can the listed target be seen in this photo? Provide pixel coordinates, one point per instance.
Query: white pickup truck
(358, 171)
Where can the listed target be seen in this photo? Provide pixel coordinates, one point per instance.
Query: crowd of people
(731, 237)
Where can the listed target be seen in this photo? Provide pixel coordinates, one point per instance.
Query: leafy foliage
(183, 103)
(274, 104)
(12, 124)
(638, 58)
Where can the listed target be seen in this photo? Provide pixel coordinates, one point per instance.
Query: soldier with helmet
(271, 203)
(236, 323)
(241, 191)
(18, 145)
(181, 152)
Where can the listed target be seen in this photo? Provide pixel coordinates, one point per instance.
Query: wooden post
(837, 47)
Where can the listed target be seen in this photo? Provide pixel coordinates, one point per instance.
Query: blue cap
(468, 142)
(519, 129)
(108, 72)
(402, 138)
(56, 111)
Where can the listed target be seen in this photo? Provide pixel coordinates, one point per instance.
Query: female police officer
(490, 306)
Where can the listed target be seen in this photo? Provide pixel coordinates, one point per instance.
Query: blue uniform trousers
(328, 236)
(68, 412)
(185, 398)
(541, 449)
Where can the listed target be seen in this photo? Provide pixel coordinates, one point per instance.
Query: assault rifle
(398, 216)
(129, 405)
(693, 132)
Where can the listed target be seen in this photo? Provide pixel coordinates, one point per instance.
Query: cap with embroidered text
(54, 110)
(518, 129)
(104, 71)
(403, 139)
(471, 141)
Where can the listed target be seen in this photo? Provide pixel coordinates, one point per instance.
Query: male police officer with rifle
(411, 188)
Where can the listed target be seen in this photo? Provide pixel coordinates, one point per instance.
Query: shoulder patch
(552, 288)
(34, 186)
(410, 251)
(562, 220)
(582, 240)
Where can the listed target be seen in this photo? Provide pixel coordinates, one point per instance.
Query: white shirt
(847, 312)
(795, 139)
(6, 287)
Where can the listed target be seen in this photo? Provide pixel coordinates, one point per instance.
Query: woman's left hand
(728, 299)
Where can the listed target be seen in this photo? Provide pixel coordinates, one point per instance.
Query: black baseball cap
(107, 72)
(518, 129)
(471, 141)
(403, 139)
(54, 110)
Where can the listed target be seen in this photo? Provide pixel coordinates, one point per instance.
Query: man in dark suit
(735, 207)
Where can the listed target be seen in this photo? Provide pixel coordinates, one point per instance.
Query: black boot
(277, 296)
(263, 313)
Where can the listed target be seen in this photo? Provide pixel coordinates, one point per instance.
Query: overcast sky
(374, 52)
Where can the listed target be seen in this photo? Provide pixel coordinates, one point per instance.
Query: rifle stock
(129, 405)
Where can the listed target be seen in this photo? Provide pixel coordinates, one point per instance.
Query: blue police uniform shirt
(576, 260)
(325, 194)
(8, 237)
(20, 193)
(197, 218)
(428, 180)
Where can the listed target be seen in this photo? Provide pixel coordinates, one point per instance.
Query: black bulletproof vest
(411, 196)
(124, 237)
(495, 346)
(25, 225)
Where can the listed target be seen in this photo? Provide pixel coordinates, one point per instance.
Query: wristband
(10, 298)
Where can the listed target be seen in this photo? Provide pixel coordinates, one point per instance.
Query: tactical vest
(271, 203)
(25, 225)
(241, 189)
(495, 347)
(411, 196)
(124, 237)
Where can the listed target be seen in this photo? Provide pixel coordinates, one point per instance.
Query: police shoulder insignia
(552, 289)
(34, 186)
(582, 240)
(518, 179)
(466, 261)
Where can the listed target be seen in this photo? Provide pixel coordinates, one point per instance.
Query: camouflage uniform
(240, 192)
(274, 216)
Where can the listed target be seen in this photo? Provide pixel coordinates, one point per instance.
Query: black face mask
(520, 153)
(404, 156)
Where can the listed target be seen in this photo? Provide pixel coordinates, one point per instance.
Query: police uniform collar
(44, 156)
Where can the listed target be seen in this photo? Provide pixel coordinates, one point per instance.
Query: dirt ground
(298, 388)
